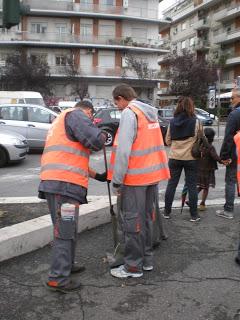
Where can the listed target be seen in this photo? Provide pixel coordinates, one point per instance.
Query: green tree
(24, 73)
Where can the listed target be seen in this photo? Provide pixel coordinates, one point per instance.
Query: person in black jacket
(229, 157)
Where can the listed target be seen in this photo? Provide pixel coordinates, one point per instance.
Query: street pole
(218, 100)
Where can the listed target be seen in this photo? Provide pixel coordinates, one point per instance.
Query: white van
(63, 105)
(23, 97)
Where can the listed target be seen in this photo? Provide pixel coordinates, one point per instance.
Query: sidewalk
(195, 278)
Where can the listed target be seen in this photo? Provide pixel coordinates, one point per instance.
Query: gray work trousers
(136, 215)
(65, 236)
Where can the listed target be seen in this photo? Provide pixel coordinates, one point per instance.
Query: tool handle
(108, 183)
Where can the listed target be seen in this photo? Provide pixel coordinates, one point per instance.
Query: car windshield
(169, 113)
(37, 101)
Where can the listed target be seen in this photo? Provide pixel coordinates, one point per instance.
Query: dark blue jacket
(228, 149)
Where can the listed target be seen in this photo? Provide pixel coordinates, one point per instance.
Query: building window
(61, 60)
(184, 26)
(106, 59)
(107, 28)
(183, 44)
(107, 2)
(61, 28)
(86, 27)
(139, 33)
(38, 57)
(175, 30)
(192, 42)
(38, 27)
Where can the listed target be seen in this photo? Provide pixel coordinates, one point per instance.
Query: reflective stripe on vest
(148, 161)
(63, 159)
(237, 142)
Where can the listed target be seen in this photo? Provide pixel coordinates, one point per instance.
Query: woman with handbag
(182, 134)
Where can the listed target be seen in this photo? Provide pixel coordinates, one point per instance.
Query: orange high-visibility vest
(148, 161)
(63, 159)
(237, 142)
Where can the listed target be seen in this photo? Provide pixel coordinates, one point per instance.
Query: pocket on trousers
(66, 229)
(131, 222)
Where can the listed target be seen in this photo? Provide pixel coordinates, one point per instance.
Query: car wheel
(3, 157)
(110, 138)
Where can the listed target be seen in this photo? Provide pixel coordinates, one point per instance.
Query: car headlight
(14, 141)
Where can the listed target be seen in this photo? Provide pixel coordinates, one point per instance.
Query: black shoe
(76, 268)
(156, 244)
(72, 285)
(237, 260)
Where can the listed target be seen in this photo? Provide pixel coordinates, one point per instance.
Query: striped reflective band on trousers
(139, 153)
(66, 149)
(60, 166)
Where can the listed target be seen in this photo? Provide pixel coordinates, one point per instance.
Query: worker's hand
(116, 188)
(101, 176)
(226, 162)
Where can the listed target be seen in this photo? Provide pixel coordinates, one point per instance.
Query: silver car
(13, 147)
(31, 121)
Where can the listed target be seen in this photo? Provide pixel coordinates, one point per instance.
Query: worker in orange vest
(138, 162)
(64, 182)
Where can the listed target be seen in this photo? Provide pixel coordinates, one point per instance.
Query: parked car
(108, 120)
(166, 113)
(205, 113)
(31, 121)
(204, 117)
(13, 147)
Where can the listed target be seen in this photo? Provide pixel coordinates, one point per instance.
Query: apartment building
(97, 35)
(211, 29)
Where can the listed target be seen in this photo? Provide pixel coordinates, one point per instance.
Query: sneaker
(224, 214)
(76, 268)
(72, 285)
(195, 219)
(166, 215)
(122, 273)
(147, 268)
(202, 207)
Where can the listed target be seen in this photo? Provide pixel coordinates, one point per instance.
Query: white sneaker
(224, 214)
(147, 268)
(122, 273)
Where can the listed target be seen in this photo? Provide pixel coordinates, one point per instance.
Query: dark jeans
(190, 169)
(230, 186)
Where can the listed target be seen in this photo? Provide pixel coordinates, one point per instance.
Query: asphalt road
(22, 179)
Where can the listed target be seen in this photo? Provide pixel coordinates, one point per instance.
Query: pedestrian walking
(181, 135)
(207, 166)
(64, 182)
(229, 157)
(138, 162)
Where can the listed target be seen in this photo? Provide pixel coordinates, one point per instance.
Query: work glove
(116, 188)
(101, 176)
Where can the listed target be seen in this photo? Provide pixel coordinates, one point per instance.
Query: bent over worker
(64, 182)
(138, 162)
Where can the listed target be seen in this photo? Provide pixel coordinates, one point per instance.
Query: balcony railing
(202, 45)
(233, 59)
(62, 71)
(66, 38)
(202, 24)
(137, 12)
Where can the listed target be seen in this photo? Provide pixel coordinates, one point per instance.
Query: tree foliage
(189, 75)
(24, 73)
(79, 84)
(139, 66)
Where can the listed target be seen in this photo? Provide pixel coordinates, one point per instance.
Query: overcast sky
(165, 4)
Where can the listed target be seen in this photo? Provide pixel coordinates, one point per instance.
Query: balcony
(70, 40)
(165, 43)
(202, 45)
(101, 72)
(219, 15)
(228, 36)
(233, 60)
(162, 91)
(230, 13)
(202, 24)
(46, 7)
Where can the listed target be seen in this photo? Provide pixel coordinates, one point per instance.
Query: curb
(33, 234)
